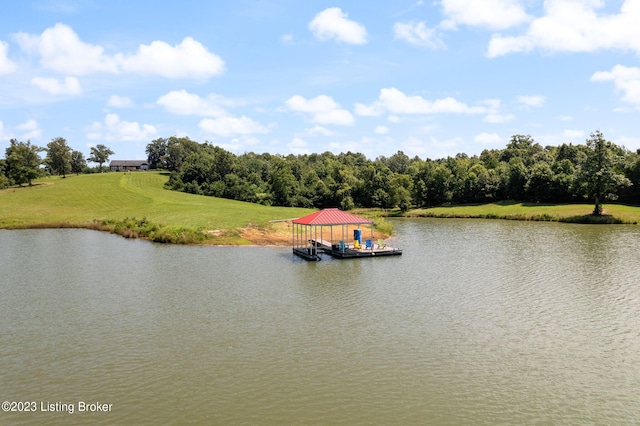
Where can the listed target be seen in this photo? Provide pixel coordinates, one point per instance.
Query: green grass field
(111, 200)
(617, 213)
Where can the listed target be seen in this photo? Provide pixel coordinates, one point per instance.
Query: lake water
(478, 322)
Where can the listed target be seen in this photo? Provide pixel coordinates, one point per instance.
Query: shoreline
(617, 214)
(278, 233)
(243, 237)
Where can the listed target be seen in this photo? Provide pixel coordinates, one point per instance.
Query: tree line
(524, 170)
(22, 163)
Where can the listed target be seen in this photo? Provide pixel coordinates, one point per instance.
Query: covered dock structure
(338, 234)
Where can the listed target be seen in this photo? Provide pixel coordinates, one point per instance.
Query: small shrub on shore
(604, 219)
(142, 228)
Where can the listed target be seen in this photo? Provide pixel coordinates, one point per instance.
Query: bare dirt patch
(280, 234)
(277, 234)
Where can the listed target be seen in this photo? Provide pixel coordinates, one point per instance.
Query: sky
(429, 78)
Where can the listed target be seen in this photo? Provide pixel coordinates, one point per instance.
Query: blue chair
(342, 246)
(368, 245)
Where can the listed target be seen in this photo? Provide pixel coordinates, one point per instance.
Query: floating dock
(345, 252)
(309, 231)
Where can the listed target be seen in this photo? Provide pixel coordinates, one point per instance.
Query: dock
(343, 251)
(314, 234)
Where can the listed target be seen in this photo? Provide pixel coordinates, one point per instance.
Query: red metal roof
(331, 217)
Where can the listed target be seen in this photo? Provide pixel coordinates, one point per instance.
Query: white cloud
(532, 101)
(230, 126)
(413, 146)
(298, 146)
(239, 144)
(323, 108)
(318, 130)
(345, 146)
(185, 60)
(181, 102)
(417, 34)
(61, 50)
(625, 79)
(575, 26)
(488, 138)
(113, 129)
(493, 14)
(432, 148)
(396, 102)
(340, 117)
(6, 65)
(332, 23)
(70, 85)
(381, 130)
(117, 101)
(494, 114)
(573, 134)
(30, 129)
(373, 110)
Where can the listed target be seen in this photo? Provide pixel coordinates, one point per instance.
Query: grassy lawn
(530, 211)
(108, 199)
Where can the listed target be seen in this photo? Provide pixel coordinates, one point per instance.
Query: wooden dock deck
(347, 252)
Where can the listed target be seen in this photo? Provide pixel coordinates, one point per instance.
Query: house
(126, 165)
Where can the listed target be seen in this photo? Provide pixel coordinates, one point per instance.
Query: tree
(523, 147)
(177, 150)
(156, 153)
(78, 163)
(4, 181)
(599, 174)
(539, 184)
(59, 157)
(22, 162)
(401, 187)
(100, 154)
(399, 162)
(283, 185)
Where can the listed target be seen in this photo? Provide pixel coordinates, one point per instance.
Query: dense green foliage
(58, 157)
(100, 154)
(22, 161)
(524, 170)
(600, 175)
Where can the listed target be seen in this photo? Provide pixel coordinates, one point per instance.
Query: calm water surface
(478, 322)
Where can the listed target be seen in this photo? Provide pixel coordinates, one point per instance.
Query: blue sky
(430, 78)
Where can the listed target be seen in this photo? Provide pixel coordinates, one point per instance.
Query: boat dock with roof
(315, 234)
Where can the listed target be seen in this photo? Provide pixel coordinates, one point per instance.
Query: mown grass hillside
(128, 203)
